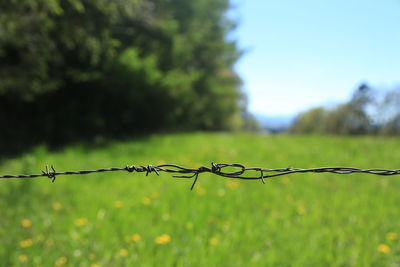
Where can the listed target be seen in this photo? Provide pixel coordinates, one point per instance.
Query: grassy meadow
(128, 219)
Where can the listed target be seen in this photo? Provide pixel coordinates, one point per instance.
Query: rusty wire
(227, 170)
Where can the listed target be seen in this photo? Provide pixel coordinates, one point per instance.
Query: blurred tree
(46, 44)
(250, 122)
(311, 121)
(391, 109)
(392, 127)
(116, 68)
(350, 118)
(364, 113)
(346, 120)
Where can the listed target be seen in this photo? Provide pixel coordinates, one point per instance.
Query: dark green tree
(114, 68)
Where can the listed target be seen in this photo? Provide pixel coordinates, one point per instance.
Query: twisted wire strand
(227, 170)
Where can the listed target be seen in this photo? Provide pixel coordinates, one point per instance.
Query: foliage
(363, 114)
(390, 119)
(112, 68)
(310, 121)
(124, 219)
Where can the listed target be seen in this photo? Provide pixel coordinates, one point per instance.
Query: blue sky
(301, 54)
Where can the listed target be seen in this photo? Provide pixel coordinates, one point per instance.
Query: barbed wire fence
(227, 170)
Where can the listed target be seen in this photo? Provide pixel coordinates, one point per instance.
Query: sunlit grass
(127, 218)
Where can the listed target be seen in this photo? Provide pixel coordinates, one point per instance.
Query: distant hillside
(274, 123)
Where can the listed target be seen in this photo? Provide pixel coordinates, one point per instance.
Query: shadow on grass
(14, 148)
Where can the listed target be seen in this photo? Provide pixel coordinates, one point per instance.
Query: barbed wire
(227, 170)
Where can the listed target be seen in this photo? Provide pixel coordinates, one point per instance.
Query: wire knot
(215, 168)
(51, 174)
(131, 168)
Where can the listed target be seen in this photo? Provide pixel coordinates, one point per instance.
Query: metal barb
(195, 181)
(51, 174)
(150, 169)
(130, 168)
(262, 176)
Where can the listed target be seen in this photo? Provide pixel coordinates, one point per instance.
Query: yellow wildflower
(213, 241)
(301, 210)
(285, 180)
(136, 238)
(22, 258)
(123, 252)
(94, 265)
(161, 162)
(26, 223)
(154, 195)
(25, 243)
(162, 239)
(61, 261)
(80, 222)
(119, 204)
(57, 206)
(211, 220)
(383, 248)
(201, 191)
(391, 236)
(232, 184)
(226, 225)
(146, 201)
(275, 214)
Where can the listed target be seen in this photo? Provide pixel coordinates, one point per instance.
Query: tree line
(84, 69)
(369, 111)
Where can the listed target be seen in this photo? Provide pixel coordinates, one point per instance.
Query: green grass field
(128, 219)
